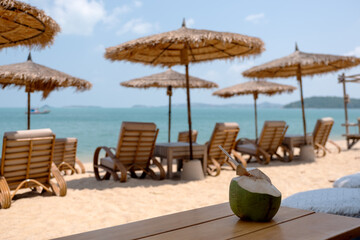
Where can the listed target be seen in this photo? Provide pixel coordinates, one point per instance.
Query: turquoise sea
(100, 126)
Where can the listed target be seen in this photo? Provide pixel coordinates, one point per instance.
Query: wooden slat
(158, 225)
(229, 227)
(315, 226)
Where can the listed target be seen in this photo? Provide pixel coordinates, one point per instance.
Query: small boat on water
(38, 111)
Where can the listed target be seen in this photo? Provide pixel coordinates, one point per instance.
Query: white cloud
(138, 26)
(77, 17)
(355, 52)
(113, 18)
(137, 3)
(255, 18)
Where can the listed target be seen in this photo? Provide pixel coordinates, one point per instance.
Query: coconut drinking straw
(240, 170)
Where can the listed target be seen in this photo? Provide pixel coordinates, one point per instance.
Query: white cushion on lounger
(349, 181)
(246, 148)
(339, 201)
(107, 162)
(46, 132)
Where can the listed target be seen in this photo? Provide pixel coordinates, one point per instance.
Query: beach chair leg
(214, 168)
(336, 145)
(287, 154)
(81, 165)
(321, 151)
(60, 188)
(161, 169)
(122, 169)
(5, 196)
(239, 158)
(263, 159)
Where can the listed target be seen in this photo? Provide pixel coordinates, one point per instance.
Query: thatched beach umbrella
(301, 64)
(255, 88)
(184, 46)
(36, 77)
(169, 79)
(23, 24)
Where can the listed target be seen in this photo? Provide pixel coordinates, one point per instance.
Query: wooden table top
(218, 222)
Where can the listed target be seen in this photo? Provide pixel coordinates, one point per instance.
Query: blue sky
(90, 26)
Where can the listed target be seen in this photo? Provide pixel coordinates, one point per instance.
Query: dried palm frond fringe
(203, 45)
(23, 24)
(166, 79)
(254, 87)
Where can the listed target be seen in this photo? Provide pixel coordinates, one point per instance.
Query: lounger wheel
(5, 196)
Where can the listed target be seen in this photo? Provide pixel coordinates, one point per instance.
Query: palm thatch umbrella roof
(301, 64)
(36, 77)
(255, 88)
(165, 49)
(168, 79)
(311, 64)
(184, 46)
(23, 24)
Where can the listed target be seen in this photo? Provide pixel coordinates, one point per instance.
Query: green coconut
(253, 197)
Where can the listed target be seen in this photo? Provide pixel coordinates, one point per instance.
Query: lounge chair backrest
(224, 134)
(322, 130)
(359, 124)
(27, 154)
(184, 136)
(136, 143)
(272, 135)
(65, 151)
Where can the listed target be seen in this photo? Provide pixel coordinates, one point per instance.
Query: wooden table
(293, 141)
(180, 150)
(218, 222)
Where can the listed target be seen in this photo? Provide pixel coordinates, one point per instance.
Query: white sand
(90, 204)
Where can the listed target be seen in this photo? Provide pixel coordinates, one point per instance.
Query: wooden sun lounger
(184, 136)
(270, 140)
(65, 155)
(224, 134)
(134, 152)
(321, 134)
(27, 162)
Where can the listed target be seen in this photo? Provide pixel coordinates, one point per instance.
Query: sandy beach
(91, 204)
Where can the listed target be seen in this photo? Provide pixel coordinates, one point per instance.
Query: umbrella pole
(346, 100)
(169, 92)
(302, 101)
(28, 110)
(188, 108)
(256, 127)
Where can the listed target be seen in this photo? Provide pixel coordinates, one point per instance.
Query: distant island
(325, 102)
(231, 105)
(311, 102)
